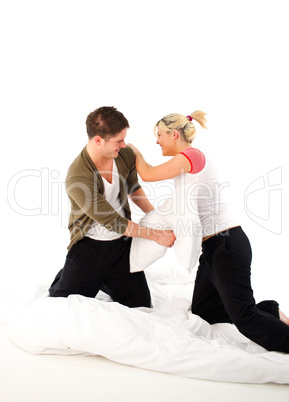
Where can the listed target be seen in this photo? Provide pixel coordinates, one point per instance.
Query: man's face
(112, 146)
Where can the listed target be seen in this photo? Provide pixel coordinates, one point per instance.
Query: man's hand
(164, 237)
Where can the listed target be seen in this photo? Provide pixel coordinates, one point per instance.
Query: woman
(222, 290)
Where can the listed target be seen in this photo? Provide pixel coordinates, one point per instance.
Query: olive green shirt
(85, 189)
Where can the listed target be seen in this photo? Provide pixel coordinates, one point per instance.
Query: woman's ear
(176, 134)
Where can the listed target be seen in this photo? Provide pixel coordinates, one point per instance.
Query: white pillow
(143, 251)
(179, 213)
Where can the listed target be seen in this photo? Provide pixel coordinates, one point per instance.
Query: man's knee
(139, 299)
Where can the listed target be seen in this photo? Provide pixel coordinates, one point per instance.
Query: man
(98, 183)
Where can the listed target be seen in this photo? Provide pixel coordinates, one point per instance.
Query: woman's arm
(177, 165)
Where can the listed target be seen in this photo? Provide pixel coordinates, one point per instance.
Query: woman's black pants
(223, 292)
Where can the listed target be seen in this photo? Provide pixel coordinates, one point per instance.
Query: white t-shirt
(111, 194)
(204, 185)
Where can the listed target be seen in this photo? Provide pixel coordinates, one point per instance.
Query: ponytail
(199, 116)
(183, 124)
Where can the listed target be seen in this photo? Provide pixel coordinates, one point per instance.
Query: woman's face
(165, 140)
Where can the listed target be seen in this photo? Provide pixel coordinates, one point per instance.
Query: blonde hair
(182, 124)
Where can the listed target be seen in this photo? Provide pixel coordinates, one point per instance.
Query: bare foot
(283, 317)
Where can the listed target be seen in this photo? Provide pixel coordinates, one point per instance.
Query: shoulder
(193, 153)
(127, 156)
(196, 158)
(128, 152)
(76, 165)
(80, 167)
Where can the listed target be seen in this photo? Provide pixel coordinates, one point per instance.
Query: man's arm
(88, 201)
(163, 237)
(140, 199)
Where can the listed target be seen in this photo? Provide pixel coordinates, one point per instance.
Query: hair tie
(189, 117)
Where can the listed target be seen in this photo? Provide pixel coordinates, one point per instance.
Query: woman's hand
(135, 150)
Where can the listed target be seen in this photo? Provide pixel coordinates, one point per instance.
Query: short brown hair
(106, 122)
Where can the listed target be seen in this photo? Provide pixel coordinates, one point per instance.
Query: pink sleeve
(196, 158)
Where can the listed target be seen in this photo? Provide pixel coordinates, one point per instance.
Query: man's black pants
(223, 292)
(92, 265)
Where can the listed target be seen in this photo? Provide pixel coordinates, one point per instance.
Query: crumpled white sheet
(167, 338)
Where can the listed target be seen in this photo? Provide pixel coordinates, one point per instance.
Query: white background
(62, 59)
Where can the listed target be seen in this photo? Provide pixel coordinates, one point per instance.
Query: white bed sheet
(32, 378)
(166, 338)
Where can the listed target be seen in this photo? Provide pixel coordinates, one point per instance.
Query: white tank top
(203, 183)
(111, 194)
